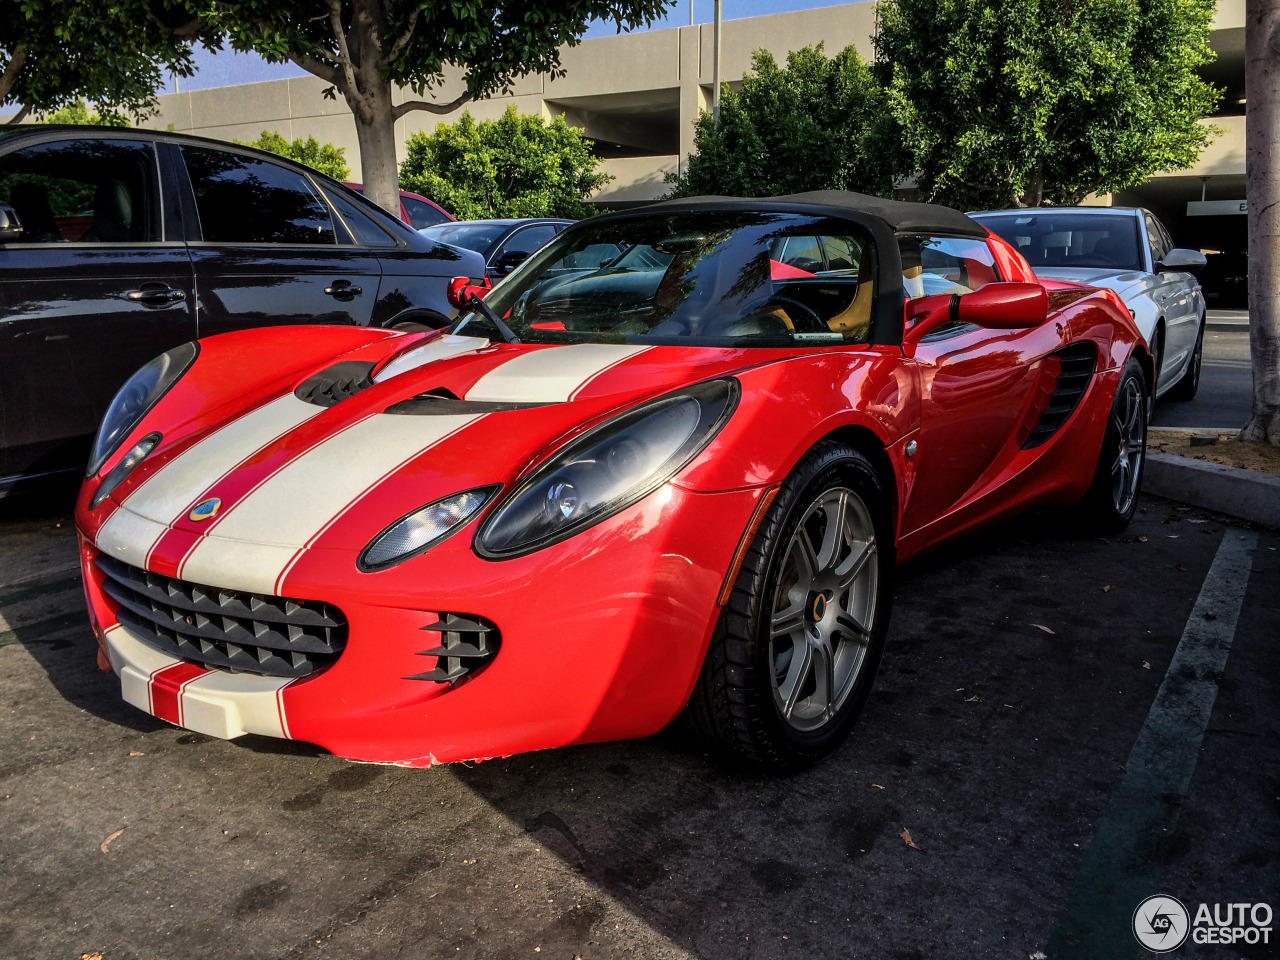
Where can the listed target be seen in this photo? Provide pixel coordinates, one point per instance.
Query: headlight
(422, 529)
(138, 396)
(608, 469)
(125, 467)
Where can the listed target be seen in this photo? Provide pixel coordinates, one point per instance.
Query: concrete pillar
(693, 96)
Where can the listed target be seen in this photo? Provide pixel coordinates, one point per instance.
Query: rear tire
(1189, 384)
(796, 648)
(1112, 499)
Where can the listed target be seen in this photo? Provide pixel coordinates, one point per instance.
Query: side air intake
(1076, 366)
(467, 643)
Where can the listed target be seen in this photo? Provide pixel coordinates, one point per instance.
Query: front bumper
(602, 637)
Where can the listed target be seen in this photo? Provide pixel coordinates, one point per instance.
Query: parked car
(415, 209)
(117, 245)
(504, 244)
(1125, 249)
(683, 485)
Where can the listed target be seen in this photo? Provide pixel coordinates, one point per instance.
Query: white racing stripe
(438, 349)
(164, 497)
(257, 539)
(550, 375)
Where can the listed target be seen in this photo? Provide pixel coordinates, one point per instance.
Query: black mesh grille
(467, 643)
(225, 629)
(1078, 361)
(334, 384)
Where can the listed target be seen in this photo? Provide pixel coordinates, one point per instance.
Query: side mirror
(1181, 260)
(10, 224)
(995, 306)
(462, 289)
(510, 260)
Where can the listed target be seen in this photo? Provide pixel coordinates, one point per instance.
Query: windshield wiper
(505, 332)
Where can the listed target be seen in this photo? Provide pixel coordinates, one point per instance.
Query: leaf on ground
(974, 699)
(1146, 664)
(1210, 615)
(136, 753)
(1041, 626)
(1178, 566)
(91, 956)
(107, 842)
(1142, 538)
(906, 838)
(1106, 589)
(877, 786)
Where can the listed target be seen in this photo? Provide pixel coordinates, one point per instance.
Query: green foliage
(815, 124)
(324, 157)
(515, 166)
(55, 52)
(77, 112)
(1026, 102)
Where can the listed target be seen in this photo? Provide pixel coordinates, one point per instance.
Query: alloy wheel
(1129, 423)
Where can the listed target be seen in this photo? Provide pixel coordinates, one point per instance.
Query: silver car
(1128, 250)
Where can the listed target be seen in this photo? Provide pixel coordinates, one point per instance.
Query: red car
(415, 209)
(673, 479)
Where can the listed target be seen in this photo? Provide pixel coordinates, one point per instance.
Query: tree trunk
(1262, 178)
(374, 115)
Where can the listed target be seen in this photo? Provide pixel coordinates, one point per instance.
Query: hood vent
(443, 402)
(334, 384)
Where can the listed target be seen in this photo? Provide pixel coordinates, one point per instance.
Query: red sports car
(621, 486)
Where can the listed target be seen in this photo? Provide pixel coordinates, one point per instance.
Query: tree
(363, 48)
(1262, 179)
(515, 166)
(79, 114)
(1029, 102)
(325, 157)
(55, 52)
(816, 124)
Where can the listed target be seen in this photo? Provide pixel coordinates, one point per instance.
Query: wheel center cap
(819, 608)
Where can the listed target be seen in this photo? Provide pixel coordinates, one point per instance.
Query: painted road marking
(1119, 868)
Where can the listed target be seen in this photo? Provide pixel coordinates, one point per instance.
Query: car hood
(303, 469)
(1127, 283)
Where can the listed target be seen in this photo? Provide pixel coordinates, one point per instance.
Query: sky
(227, 68)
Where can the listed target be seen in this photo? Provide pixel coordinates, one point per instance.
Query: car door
(1177, 295)
(98, 283)
(267, 249)
(976, 384)
(518, 247)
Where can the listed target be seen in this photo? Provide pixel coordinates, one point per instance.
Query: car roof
(901, 216)
(497, 222)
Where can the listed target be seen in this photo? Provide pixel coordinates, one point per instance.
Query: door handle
(155, 295)
(343, 290)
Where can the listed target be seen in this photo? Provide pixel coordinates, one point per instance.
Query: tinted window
(709, 278)
(471, 236)
(1157, 237)
(933, 265)
(359, 223)
(86, 191)
(245, 200)
(529, 239)
(1070, 239)
(422, 214)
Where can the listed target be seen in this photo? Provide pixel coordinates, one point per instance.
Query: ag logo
(204, 510)
(1161, 923)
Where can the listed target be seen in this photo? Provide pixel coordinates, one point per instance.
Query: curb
(1243, 494)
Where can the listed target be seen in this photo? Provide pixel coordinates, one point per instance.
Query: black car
(504, 244)
(116, 245)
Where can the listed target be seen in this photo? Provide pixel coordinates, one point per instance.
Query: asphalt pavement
(1226, 379)
(1028, 674)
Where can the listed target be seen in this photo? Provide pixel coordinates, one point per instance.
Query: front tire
(1187, 387)
(1112, 499)
(796, 649)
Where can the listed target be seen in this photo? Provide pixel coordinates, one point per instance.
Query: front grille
(225, 629)
(1077, 363)
(467, 643)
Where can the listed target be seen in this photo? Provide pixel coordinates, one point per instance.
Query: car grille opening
(334, 384)
(225, 629)
(467, 643)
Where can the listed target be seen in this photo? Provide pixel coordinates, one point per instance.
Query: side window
(803, 253)
(422, 214)
(245, 200)
(834, 292)
(528, 240)
(932, 265)
(1155, 234)
(361, 225)
(84, 191)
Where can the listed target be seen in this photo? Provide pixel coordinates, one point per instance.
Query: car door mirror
(1181, 260)
(462, 289)
(10, 224)
(510, 260)
(995, 306)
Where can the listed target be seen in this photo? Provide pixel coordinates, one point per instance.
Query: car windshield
(471, 236)
(707, 278)
(1070, 239)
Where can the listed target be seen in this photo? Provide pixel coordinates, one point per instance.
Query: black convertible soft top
(899, 215)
